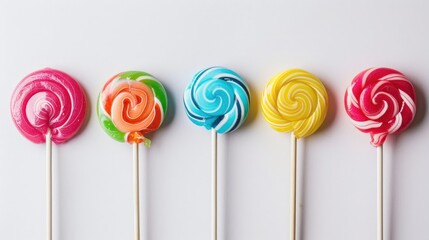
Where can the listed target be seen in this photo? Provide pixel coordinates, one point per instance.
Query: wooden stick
(380, 193)
(293, 188)
(49, 185)
(214, 185)
(136, 192)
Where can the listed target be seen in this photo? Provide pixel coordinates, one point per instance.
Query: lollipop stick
(293, 188)
(214, 185)
(380, 193)
(136, 192)
(49, 185)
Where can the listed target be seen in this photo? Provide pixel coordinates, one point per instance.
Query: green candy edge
(107, 124)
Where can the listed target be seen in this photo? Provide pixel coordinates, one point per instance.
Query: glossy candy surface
(295, 101)
(131, 104)
(217, 98)
(48, 99)
(380, 101)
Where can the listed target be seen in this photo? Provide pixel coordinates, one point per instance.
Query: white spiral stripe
(352, 99)
(393, 100)
(381, 113)
(377, 136)
(396, 125)
(375, 90)
(408, 101)
(393, 77)
(365, 77)
(368, 124)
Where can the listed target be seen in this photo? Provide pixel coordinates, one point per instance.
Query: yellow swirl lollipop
(295, 101)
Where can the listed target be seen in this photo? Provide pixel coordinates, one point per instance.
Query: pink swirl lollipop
(48, 99)
(48, 106)
(380, 101)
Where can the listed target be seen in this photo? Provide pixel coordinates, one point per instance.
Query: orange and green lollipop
(130, 105)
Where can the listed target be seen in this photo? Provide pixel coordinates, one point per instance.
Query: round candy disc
(295, 101)
(131, 104)
(48, 99)
(217, 98)
(380, 101)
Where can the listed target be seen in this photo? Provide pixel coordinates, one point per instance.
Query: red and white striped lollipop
(380, 101)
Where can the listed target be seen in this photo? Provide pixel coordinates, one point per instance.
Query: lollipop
(218, 99)
(130, 105)
(48, 100)
(380, 101)
(294, 101)
(48, 105)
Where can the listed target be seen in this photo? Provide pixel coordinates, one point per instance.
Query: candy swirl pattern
(48, 99)
(217, 98)
(130, 105)
(295, 101)
(380, 101)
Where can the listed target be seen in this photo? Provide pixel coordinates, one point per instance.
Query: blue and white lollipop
(217, 98)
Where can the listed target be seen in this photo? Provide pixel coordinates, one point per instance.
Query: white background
(335, 39)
